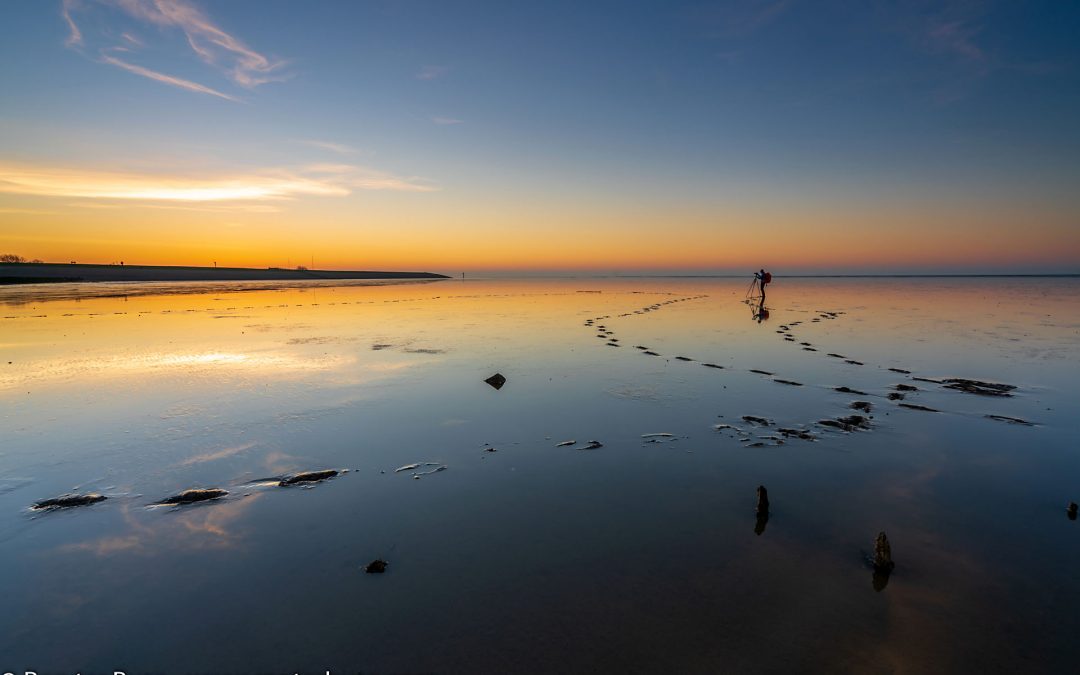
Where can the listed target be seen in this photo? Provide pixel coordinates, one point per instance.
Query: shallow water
(638, 556)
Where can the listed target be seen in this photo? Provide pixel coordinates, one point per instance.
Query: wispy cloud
(954, 37)
(339, 148)
(739, 19)
(162, 77)
(74, 37)
(432, 72)
(446, 120)
(214, 46)
(335, 180)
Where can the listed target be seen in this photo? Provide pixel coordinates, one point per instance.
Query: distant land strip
(44, 273)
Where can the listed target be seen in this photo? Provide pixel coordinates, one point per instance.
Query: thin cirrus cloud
(432, 72)
(443, 121)
(330, 180)
(215, 47)
(339, 148)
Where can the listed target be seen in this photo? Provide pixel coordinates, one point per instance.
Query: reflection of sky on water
(634, 556)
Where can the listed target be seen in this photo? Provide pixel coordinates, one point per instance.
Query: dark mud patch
(1010, 420)
(791, 382)
(864, 406)
(854, 362)
(801, 434)
(901, 371)
(683, 358)
(712, 365)
(848, 424)
(308, 477)
(761, 372)
(978, 387)
(849, 390)
(916, 406)
(376, 566)
(650, 353)
(193, 496)
(895, 396)
(68, 501)
(905, 387)
(760, 421)
(590, 445)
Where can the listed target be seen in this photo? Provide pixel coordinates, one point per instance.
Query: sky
(534, 137)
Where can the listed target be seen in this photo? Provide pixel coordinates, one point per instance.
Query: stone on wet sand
(68, 501)
(308, 477)
(883, 554)
(497, 381)
(762, 500)
(377, 566)
(194, 495)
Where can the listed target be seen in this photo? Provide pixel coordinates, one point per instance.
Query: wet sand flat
(594, 512)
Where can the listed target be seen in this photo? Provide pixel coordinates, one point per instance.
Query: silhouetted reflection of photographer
(760, 313)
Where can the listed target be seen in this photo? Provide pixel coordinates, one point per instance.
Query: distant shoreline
(44, 273)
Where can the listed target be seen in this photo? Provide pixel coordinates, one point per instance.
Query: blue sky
(595, 108)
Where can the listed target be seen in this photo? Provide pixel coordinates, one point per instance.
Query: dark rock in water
(762, 500)
(194, 495)
(756, 420)
(900, 370)
(761, 372)
(905, 387)
(497, 381)
(308, 477)
(712, 365)
(794, 384)
(377, 566)
(861, 405)
(67, 501)
(883, 554)
(1071, 511)
(977, 387)
(915, 406)
(1010, 420)
(849, 390)
(895, 396)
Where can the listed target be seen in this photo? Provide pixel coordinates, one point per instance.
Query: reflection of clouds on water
(218, 454)
(201, 363)
(186, 528)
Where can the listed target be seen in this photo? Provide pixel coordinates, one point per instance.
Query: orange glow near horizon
(440, 234)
